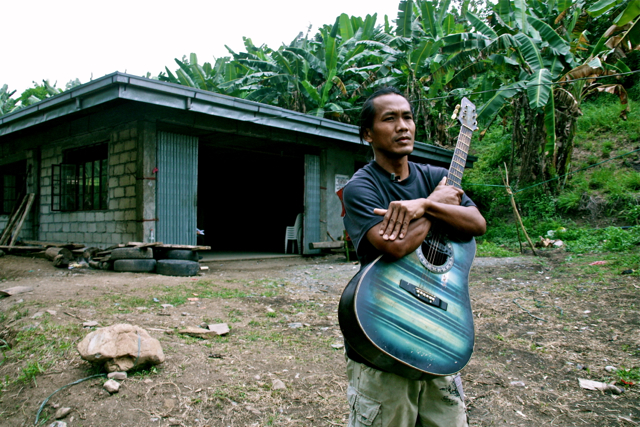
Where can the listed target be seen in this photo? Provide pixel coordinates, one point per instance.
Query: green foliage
(629, 375)
(610, 239)
(489, 249)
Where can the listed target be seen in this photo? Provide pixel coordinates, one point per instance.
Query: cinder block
(113, 182)
(108, 216)
(101, 227)
(130, 191)
(118, 192)
(99, 216)
(110, 227)
(130, 215)
(90, 216)
(91, 227)
(118, 215)
(130, 145)
(113, 204)
(118, 170)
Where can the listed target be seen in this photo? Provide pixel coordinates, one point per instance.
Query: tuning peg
(455, 112)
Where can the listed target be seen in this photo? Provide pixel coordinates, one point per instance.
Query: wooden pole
(24, 215)
(6, 234)
(515, 208)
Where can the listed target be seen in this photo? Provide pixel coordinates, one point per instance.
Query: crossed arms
(406, 223)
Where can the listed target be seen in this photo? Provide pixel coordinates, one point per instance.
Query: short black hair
(368, 112)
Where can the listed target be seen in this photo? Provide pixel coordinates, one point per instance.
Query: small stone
(270, 310)
(278, 385)
(517, 383)
(196, 332)
(252, 410)
(610, 368)
(112, 386)
(166, 305)
(90, 324)
(38, 315)
(61, 413)
(147, 381)
(295, 325)
(219, 328)
(337, 346)
(52, 312)
(58, 424)
(117, 376)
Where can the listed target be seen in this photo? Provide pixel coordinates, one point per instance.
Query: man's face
(393, 132)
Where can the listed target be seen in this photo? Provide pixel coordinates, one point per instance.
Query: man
(390, 205)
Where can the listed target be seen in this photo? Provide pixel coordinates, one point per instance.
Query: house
(125, 158)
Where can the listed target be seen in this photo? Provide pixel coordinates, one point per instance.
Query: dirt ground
(541, 324)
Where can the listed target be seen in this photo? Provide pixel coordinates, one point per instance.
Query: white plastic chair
(294, 233)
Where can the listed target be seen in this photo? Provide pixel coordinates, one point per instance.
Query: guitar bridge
(423, 295)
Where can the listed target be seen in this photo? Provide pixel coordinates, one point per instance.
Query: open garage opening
(247, 198)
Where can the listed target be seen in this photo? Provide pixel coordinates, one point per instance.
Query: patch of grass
(629, 375)
(490, 249)
(37, 349)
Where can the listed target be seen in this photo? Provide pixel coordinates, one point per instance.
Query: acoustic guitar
(412, 316)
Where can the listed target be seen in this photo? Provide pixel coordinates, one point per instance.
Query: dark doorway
(246, 199)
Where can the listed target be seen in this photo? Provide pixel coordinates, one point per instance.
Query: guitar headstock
(468, 115)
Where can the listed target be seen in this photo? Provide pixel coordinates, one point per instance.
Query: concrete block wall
(101, 228)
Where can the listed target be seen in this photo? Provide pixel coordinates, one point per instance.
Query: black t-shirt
(372, 187)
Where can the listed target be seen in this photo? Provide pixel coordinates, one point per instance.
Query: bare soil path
(541, 324)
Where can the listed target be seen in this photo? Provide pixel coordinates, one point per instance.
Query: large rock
(121, 347)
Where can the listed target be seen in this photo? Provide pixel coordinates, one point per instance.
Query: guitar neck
(459, 157)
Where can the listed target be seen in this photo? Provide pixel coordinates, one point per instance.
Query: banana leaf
(520, 14)
(405, 18)
(558, 45)
(529, 51)
(184, 78)
(539, 88)
(429, 23)
(633, 34)
(346, 29)
(601, 7)
(498, 100)
(481, 26)
(311, 91)
(629, 14)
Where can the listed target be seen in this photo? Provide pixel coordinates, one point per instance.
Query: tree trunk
(52, 253)
(532, 166)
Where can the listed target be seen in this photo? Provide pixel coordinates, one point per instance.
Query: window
(12, 185)
(80, 182)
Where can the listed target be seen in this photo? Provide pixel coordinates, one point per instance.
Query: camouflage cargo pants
(381, 399)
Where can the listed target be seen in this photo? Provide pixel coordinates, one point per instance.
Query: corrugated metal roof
(139, 89)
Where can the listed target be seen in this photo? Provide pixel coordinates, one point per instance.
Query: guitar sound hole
(436, 254)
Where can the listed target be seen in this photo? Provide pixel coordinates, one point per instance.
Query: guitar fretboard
(459, 157)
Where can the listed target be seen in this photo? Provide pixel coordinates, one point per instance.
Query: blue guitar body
(404, 318)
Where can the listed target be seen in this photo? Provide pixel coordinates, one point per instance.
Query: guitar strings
(436, 242)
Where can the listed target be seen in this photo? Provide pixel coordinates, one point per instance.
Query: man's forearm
(466, 219)
(397, 248)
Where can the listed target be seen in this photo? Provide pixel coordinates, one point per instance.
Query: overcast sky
(61, 40)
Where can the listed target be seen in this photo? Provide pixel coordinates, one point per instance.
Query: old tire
(183, 254)
(177, 267)
(132, 253)
(135, 265)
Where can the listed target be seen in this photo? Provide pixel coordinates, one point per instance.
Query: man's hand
(447, 194)
(398, 216)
